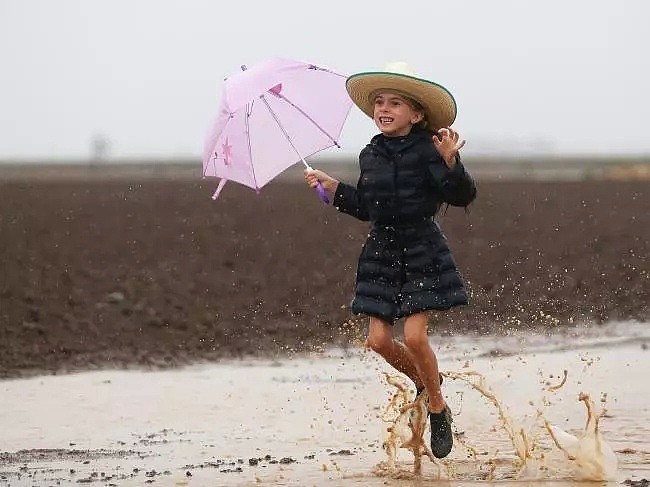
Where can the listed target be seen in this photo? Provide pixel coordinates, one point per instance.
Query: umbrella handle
(319, 186)
(322, 194)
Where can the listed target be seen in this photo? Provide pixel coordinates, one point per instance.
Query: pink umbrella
(272, 116)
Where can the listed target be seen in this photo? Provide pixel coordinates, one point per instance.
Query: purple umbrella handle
(321, 194)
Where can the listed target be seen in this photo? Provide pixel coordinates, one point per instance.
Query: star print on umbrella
(227, 152)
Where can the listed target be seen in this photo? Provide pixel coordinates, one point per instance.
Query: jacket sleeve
(347, 199)
(458, 187)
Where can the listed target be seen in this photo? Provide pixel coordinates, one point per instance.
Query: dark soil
(115, 274)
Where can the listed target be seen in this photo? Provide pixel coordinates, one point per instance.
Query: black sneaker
(442, 438)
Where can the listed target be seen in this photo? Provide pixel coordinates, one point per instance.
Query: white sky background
(563, 76)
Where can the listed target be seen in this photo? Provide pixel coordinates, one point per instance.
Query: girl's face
(393, 115)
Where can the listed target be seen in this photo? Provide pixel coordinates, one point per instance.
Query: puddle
(323, 419)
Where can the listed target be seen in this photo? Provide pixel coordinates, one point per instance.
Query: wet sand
(313, 420)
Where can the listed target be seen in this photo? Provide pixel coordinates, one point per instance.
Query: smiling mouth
(386, 119)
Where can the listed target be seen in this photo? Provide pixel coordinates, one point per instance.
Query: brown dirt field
(153, 272)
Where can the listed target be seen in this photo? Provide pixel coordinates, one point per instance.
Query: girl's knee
(415, 332)
(380, 337)
(416, 340)
(380, 343)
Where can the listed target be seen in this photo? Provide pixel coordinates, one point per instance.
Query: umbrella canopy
(271, 116)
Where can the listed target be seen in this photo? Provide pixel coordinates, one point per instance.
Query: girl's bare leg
(381, 339)
(423, 358)
(416, 359)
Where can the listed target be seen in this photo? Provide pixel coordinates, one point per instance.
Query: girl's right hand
(314, 176)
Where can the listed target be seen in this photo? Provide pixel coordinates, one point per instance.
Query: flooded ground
(323, 419)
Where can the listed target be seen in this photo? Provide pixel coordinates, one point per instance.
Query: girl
(405, 268)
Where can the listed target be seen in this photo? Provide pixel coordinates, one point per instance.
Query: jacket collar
(404, 142)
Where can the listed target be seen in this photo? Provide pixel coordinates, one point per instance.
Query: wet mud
(153, 273)
(552, 410)
(54, 466)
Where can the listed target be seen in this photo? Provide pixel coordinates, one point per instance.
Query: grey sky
(554, 75)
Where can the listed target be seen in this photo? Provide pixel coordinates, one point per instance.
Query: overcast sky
(553, 75)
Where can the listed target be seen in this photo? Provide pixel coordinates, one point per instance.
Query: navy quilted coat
(405, 265)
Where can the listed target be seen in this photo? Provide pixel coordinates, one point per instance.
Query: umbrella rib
(277, 120)
(302, 112)
(248, 140)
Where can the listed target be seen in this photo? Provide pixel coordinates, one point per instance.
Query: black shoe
(442, 438)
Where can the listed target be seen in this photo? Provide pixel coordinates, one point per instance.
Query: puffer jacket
(405, 265)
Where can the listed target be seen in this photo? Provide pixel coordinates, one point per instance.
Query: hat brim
(438, 103)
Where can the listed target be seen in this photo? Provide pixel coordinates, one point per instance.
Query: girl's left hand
(447, 143)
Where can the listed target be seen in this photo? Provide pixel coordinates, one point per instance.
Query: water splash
(541, 452)
(407, 430)
(589, 456)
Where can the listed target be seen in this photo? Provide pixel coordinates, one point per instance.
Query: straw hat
(438, 103)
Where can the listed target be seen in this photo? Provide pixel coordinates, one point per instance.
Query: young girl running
(405, 269)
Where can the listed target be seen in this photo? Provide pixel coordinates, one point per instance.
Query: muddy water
(323, 419)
